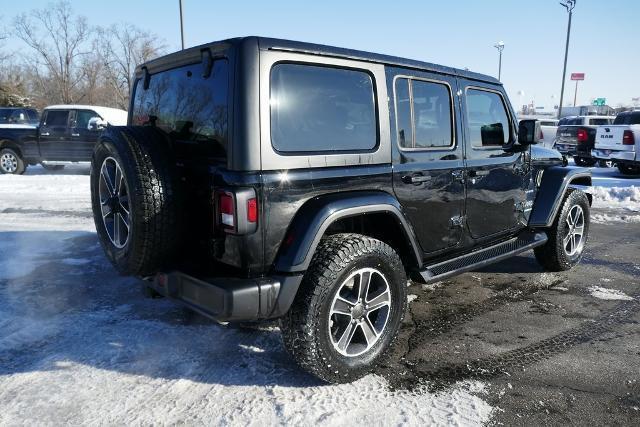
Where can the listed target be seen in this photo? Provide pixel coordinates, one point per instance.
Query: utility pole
(500, 47)
(181, 26)
(569, 5)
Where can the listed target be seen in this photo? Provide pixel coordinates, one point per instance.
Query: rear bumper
(629, 156)
(230, 299)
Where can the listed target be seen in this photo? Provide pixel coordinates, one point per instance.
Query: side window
(187, 106)
(424, 113)
(403, 113)
(320, 109)
(432, 115)
(83, 117)
(57, 118)
(487, 119)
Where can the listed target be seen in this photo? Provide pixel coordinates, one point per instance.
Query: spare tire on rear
(136, 199)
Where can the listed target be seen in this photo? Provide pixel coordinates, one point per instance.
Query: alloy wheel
(114, 203)
(8, 163)
(359, 312)
(573, 242)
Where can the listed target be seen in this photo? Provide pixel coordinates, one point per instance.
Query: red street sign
(577, 76)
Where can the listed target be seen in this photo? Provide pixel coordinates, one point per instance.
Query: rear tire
(562, 251)
(11, 162)
(331, 330)
(629, 170)
(146, 204)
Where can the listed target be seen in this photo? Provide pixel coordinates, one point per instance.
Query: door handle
(75, 134)
(415, 179)
(44, 134)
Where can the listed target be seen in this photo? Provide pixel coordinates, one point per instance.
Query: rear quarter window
(321, 109)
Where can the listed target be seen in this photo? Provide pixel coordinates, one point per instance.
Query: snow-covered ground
(79, 344)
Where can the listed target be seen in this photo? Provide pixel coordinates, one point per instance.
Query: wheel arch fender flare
(8, 143)
(314, 218)
(556, 181)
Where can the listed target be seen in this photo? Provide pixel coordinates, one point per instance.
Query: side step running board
(483, 257)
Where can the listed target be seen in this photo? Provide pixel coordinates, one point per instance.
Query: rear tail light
(236, 211)
(227, 209)
(627, 138)
(252, 210)
(583, 136)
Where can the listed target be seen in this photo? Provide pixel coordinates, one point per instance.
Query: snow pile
(608, 294)
(599, 218)
(616, 197)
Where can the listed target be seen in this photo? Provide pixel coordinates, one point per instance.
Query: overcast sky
(604, 45)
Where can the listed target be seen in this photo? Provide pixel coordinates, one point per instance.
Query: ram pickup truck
(620, 142)
(66, 133)
(576, 136)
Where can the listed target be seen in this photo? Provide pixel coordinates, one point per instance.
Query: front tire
(348, 309)
(568, 235)
(11, 162)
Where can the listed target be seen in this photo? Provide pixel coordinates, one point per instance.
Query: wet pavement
(551, 352)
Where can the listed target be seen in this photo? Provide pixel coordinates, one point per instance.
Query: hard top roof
(265, 43)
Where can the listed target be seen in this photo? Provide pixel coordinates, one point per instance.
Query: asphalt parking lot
(552, 351)
(509, 344)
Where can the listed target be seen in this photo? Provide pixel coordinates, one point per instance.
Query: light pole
(569, 5)
(181, 26)
(500, 47)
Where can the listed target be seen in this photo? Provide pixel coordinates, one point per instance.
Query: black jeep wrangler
(262, 179)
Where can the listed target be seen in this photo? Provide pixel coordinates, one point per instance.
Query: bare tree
(123, 48)
(59, 41)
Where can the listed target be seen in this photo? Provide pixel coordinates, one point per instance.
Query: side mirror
(96, 123)
(528, 132)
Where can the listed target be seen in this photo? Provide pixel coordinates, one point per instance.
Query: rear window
(320, 109)
(187, 106)
(627, 119)
(599, 122)
(543, 123)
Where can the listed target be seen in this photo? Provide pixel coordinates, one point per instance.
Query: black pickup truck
(66, 133)
(576, 137)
